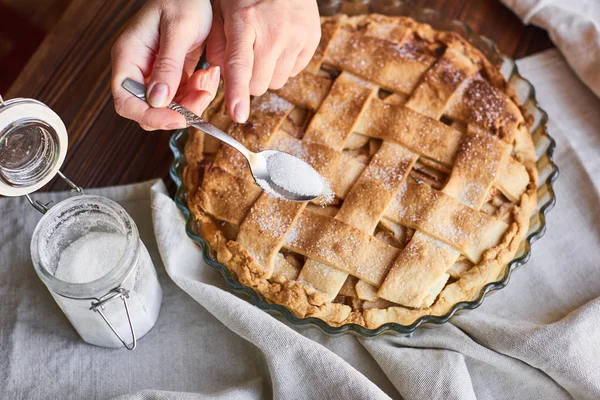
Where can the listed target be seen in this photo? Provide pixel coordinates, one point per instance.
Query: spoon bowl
(260, 173)
(257, 161)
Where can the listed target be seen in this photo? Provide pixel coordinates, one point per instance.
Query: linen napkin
(574, 26)
(537, 338)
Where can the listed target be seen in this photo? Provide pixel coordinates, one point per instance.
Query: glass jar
(33, 146)
(88, 253)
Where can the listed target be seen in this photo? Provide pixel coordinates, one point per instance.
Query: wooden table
(70, 72)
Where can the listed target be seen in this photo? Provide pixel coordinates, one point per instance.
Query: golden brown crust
(470, 213)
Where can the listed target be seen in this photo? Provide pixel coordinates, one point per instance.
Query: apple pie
(430, 157)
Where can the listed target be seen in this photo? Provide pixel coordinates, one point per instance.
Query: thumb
(175, 42)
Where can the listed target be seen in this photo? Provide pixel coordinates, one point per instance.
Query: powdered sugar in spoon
(278, 173)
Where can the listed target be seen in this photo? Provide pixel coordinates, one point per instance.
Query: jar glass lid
(33, 145)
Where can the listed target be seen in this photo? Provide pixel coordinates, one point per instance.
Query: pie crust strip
(363, 207)
(425, 260)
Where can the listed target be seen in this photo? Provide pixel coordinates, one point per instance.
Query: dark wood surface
(70, 72)
(23, 26)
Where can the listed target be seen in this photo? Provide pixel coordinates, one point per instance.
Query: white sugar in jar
(87, 251)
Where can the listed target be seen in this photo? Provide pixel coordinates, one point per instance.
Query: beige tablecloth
(537, 338)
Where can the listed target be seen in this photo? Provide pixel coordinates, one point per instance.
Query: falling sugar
(90, 257)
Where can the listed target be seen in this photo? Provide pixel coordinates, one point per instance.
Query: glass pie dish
(544, 146)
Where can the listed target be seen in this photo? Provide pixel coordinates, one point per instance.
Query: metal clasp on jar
(43, 208)
(98, 306)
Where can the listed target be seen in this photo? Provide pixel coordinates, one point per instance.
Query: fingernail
(215, 74)
(157, 95)
(203, 81)
(240, 112)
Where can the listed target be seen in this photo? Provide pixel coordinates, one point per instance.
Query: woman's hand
(259, 44)
(161, 47)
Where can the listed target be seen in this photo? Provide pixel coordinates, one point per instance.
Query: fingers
(197, 93)
(191, 62)
(131, 59)
(283, 70)
(200, 90)
(301, 62)
(149, 118)
(306, 54)
(170, 60)
(239, 54)
(129, 106)
(262, 72)
(262, 45)
(215, 43)
(207, 80)
(161, 46)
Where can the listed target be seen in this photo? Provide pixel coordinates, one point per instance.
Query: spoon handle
(139, 91)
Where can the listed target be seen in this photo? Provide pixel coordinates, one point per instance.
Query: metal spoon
(256, 161)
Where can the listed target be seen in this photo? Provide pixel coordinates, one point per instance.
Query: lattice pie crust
(428, 153)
